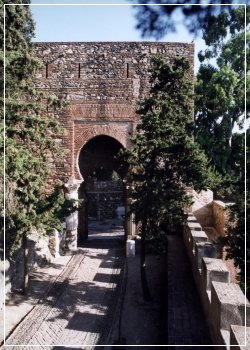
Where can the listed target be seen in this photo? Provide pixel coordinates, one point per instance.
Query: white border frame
(4, 157)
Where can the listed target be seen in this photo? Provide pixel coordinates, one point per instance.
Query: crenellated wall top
(81, 61)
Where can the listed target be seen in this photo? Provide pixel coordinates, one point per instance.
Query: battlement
(225, 307)
(102, 60)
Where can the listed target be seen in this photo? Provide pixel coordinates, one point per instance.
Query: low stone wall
(223, 302)
(42, 250)
(202, 206)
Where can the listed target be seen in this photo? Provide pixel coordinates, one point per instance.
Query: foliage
(237, 241)
(220, 104)
(105, 174)
(30, 132)
(157, 21)
(164, 158)
(220, 93)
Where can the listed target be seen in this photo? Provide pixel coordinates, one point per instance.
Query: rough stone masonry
(103, 82)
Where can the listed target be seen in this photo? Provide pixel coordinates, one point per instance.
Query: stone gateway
(103, 83)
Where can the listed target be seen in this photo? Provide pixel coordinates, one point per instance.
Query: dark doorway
(101, 215)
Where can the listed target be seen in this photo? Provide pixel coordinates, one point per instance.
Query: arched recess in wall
(85, 133)
(103, 172)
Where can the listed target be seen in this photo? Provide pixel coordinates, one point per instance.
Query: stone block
(71, 240)
(191, 218)
(72, 221)
(200, 199)
(204, 249)
(54, 243)
(239, 338)
(213, 270)
(197, 237)
(194, 226)
(227, 305)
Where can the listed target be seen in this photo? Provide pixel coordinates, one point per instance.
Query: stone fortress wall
(226, 309)
(103, 82)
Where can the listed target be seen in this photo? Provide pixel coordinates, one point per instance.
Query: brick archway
(103, 83)
(84, 133)
(100, 199)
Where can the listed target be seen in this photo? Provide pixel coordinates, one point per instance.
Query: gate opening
(102, 213)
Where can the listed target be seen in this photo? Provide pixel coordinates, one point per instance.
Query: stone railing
(209, 212)
(202, 206)
(224, 304)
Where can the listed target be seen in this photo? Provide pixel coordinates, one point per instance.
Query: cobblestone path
(186, 321)
(79, 307)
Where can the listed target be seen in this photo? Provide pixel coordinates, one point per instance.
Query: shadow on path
(106, 234)
(79, 307)
(186, 320)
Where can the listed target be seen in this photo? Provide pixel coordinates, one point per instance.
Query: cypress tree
(165, 160)
(29, 137)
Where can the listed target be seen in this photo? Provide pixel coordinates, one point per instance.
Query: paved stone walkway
(78, 308)
(186, 321)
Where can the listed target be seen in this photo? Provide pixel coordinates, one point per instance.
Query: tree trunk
(144, 281)
(25, 263)
(229, 131)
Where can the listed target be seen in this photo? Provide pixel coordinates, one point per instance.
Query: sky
(55, 22)
(95, 23)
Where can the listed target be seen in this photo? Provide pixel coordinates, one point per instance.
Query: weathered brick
(103, 82)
